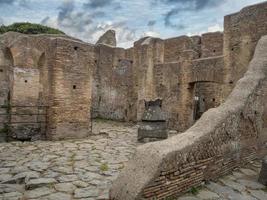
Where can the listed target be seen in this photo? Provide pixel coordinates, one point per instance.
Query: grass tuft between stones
(104, 167)
(194, 190)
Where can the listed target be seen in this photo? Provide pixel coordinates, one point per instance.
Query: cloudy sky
(132, 19)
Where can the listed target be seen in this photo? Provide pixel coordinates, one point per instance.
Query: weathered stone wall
(6, 63)
(177, 70)
(50, 86)
(125, 78)
(181, 48)
(70, 101)
(223, 139)
(23, 86)
(147, 52)
(242, 31)
(211, 44)
(114, 96)
(176, 84)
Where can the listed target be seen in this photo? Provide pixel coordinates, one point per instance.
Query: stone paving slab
(85, 169)
(240, 185)
(67, 170)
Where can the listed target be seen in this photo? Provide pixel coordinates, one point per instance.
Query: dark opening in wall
(26, 81)
(214, 51)
(95, 61)
(231, 82)
(74, 87)
(204, 100)
(233, 49)
(75, 48)
(1, 70)
(131, 62)
(213, 99)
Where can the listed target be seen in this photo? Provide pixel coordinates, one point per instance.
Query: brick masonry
(222, 139)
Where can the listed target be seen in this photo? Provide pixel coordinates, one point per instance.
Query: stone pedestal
(152, 131)
(153, 125)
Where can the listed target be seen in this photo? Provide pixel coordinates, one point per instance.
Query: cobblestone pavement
(240, 185)
(84, 169)
(72, 169)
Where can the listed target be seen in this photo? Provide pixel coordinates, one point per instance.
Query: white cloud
(215, 28)
(151, 34)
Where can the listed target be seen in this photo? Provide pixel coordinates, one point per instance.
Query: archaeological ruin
(211, 88)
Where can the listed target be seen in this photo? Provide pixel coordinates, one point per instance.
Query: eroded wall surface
(224, 138)
(49, 87)
(70, 101)
(199, 62)
(189, 74)
(6, 63)
(242, 31)
(156, 68)
(114, 95)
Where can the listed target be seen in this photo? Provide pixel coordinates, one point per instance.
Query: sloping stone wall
(223, 139)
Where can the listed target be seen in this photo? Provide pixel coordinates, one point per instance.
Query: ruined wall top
(108, 38)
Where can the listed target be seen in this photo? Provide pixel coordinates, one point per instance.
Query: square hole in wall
(26, 81)
(1, 70)
(74, 87)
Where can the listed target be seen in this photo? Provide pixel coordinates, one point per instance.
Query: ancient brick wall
(117, 94)
(223, 139)
(175, 49)
(114, 96)
(70, 101)
(6, 63)
(50, 87)
(24, 86)
(242, 31)
(147, 53)
(176, 85)
(211, 44)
